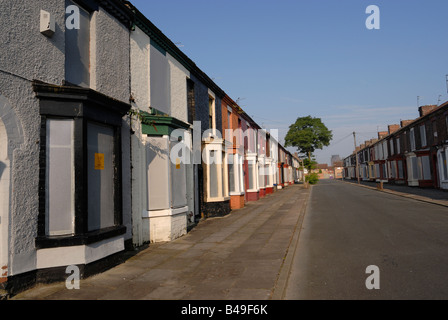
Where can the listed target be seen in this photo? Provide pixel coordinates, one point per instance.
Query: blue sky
(291, 58)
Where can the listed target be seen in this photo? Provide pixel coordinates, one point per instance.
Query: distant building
(335, 158)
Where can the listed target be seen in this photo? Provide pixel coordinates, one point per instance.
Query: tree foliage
(308, 134)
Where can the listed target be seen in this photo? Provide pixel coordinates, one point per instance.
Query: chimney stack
(404, 123)
(424, 110)
(382, 134)
(393, 127)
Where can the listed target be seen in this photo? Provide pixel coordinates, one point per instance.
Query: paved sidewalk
(430, 195)
(242, 256)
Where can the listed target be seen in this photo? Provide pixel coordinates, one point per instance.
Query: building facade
(64, 131)
(112, 138)
(412, 153)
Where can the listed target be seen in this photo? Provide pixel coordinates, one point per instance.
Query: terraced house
(412, 153)
(65, 177)
(112, 138)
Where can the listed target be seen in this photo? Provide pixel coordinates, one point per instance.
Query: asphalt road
(348, 228)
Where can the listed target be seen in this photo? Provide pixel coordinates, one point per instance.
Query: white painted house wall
(155, 217)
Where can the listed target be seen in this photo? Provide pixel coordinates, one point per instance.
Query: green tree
(309, 164)
(308, 134)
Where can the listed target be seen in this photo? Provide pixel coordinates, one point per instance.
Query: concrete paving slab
(238, 257)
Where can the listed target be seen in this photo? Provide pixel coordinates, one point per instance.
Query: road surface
(348, 228)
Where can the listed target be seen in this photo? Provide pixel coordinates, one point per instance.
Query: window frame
(85, 8)
(423, 138)
(83, 106)
(412, 139)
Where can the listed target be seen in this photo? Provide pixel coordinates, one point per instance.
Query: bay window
(80, 166)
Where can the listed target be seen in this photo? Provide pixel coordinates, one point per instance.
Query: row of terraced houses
(111, 138)
(413, 152)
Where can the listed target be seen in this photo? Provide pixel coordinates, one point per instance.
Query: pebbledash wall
(33, 93)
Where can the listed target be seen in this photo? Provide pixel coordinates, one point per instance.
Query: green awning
(157, 124)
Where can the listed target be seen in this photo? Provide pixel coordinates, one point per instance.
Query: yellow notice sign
(177, 163)
(99, 161)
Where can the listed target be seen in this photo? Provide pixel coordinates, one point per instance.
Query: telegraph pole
(356, 156)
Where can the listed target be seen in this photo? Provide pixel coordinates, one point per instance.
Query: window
(434, 132)
(413, 168)
(217, 174)
(377, 170)
(391, 142)
(423, 136)
(229, 120)
(425, 168)
(100, 176)
(159, 69)
(412, 139)
(178, 179)
(446, 122)
(240, 174)
(232, 176)
(261, 177)
(240, 138)
(398, 145)
(400, 169)
(214, 192)
(443, 165)
(80, 194)
(251, 171)
(267, 176)
(211, 112)
(393, 169)
(60, 179)
(77, 50)
(191, 101)
(224, 176)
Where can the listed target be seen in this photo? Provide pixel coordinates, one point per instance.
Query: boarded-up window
(178, 180)
(160, 79)
(232, 180)
(158, 184)
(60, 211)
(214, 192)
(100, 176)
(224, 176)
(261, 176)
(251, 171)
(77, 49)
